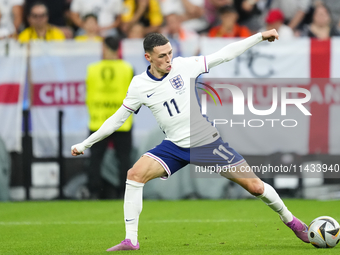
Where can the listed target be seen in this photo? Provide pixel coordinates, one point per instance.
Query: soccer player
(164, 88)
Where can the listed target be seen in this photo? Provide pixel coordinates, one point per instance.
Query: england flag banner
(58, 71)
(12, 78)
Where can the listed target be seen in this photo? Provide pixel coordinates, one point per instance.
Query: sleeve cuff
(128, 108)
(259, 34)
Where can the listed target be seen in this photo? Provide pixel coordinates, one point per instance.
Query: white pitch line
(4, 223)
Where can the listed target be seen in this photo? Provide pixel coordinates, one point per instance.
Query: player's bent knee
(256, 187)
(134, 174)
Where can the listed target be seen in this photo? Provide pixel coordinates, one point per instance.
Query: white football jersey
(174, 103)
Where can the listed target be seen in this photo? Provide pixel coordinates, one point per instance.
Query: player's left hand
(270, 35)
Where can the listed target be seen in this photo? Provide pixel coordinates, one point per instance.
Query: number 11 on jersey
(172, 101)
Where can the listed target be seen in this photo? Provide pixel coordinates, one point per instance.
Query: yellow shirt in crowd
(83, 38)
(52, 34)
(153, 13)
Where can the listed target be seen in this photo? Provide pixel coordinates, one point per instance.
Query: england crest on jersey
(177, 82)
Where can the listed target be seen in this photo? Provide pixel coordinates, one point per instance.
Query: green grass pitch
(166, 227)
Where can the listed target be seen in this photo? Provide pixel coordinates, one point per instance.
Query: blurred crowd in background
(84, 20)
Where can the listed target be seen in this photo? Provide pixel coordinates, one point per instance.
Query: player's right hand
(270, 35)
(77, 149)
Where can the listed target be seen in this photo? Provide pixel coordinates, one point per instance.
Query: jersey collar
(153, 77)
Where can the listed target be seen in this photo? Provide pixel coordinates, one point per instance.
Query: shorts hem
(237, 163)
(163, 164)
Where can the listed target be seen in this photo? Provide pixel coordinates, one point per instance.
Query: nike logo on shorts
(150, 95)
(127, 220)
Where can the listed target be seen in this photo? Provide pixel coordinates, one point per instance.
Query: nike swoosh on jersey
(150, 95)
(229, 161)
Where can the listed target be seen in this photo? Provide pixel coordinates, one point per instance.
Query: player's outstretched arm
(108, 127)
(235, 49)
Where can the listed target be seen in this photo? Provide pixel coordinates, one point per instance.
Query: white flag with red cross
(12, 79)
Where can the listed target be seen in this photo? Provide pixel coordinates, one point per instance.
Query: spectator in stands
(11, 17)
(190, 12)
(274, 20)
(39, 28)
(175, 30)
(321, 26)
(211, 8)
(3, 31)
(108, 13)
(294, 11)
(146, 12)
(58, 13)
(334, 7)
(107, 83)
(249, 13)
(186, 41)
(136, 31)
(91, 28)
(229, 26)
